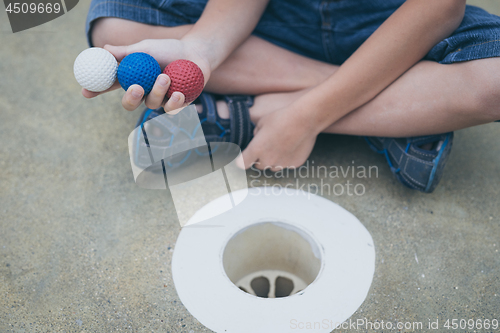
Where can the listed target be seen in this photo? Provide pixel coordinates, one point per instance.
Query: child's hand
(164, 51)
(282, 139)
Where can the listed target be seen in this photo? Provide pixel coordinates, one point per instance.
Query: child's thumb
(119, 52)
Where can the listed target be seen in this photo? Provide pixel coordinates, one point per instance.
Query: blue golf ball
(138, 68)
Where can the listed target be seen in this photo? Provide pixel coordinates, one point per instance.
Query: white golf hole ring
(322, 249)
(272, 259)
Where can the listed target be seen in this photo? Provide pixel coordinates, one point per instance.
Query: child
(285, 71)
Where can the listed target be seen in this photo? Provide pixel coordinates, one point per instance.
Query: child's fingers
(90, 94)
(119, 52)
(155, 98)
(133, 97)
(249, 156)
(176, 101)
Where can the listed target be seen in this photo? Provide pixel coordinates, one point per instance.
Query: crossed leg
(429, 98)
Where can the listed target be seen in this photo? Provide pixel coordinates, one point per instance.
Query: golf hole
(272, 260)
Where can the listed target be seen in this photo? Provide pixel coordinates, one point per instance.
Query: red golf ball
(186, 77)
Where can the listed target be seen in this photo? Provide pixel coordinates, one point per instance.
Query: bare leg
(430, 98)
(250, 69)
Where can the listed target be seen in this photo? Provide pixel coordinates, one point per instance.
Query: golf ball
(185, 77)
(138, 68)
(95, 69)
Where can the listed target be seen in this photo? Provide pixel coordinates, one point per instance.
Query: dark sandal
(414, 167)
(237, 129)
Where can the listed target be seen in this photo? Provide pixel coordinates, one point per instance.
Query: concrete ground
(83, 249)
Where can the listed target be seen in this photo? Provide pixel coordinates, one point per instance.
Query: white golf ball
(95, 69)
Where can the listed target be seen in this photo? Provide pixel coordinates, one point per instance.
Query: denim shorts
(328, 31)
